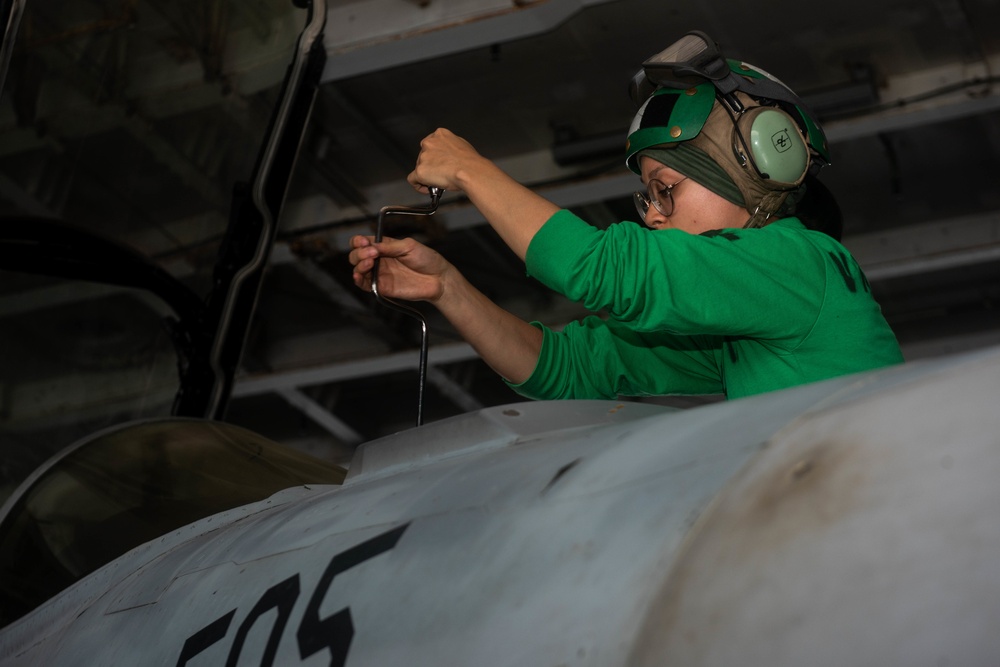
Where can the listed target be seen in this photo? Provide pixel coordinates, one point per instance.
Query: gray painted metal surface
(852, 521)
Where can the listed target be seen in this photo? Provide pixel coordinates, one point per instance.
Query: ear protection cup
(768, 140)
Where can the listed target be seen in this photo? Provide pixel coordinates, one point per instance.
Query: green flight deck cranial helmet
(728, 125)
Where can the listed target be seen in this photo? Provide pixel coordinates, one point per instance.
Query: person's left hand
(407, 269)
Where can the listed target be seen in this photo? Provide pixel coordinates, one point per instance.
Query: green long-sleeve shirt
(739, 311)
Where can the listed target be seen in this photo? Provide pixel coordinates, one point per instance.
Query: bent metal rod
(428, 209)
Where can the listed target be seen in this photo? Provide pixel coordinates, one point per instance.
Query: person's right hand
(407, 269)
(445, 159)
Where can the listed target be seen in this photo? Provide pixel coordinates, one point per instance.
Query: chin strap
(766, 209)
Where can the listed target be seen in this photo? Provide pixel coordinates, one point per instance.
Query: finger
(389, 247)
(364, 247)
(364, 266)
(354, 257)
(359, 241)
(362, 282)
(363, 271)
(414, 180)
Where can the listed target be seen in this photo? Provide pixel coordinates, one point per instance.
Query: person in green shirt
(723, 291)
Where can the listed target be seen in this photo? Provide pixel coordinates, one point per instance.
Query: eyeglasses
(659, 195)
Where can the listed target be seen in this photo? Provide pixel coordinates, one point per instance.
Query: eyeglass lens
(659, 195)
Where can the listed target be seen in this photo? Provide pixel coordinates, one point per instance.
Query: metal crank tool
(429, 209)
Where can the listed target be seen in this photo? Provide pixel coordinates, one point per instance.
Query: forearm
(414, 272)
(506, 342)
(514, 211)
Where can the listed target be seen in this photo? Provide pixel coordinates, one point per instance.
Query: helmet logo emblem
(781, 141)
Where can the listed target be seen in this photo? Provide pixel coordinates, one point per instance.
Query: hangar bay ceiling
(134, 119)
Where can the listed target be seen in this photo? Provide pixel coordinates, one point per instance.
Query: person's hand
(412, 271)
(445, 161)
(407, 269)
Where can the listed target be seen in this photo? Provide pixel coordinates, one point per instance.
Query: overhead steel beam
(927, 96)
(311, 271)
(944, 244)
(364, 37)
(904, 118)
(65, 399)
(350, 370)
(321, 416)
(452, 390)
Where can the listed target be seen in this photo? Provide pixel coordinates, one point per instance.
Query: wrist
(449, 287)
(477, 171)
